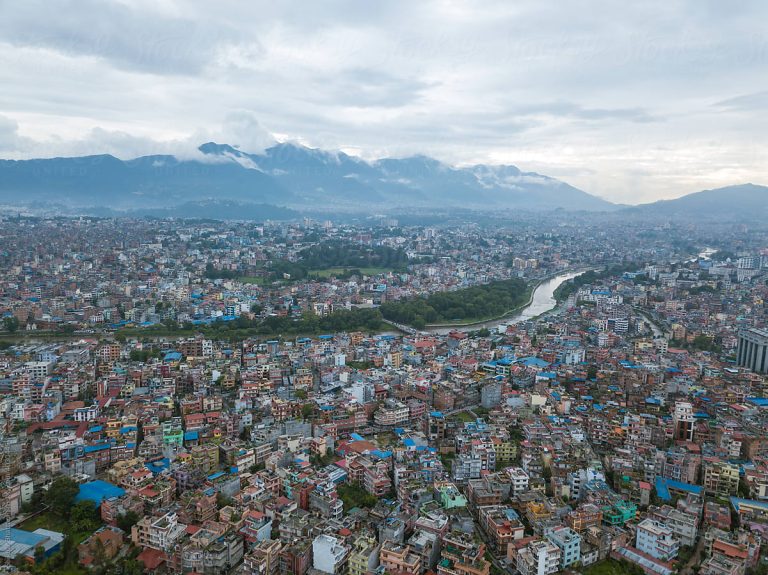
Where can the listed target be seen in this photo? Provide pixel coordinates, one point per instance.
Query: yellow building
(364, 556)
(721, 478)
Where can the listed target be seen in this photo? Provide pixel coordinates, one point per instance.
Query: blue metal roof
(97, 491)
(158, 465)
(25, 537)
(663, 486)
(736, 501)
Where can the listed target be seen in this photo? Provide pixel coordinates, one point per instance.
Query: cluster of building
(627, 425)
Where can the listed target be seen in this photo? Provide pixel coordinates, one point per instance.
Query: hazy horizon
(639, 104)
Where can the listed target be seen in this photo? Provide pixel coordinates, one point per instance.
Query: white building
(160, 533)
(391, 413)
(27, 487)
(89, 413)
(329, 555)
(657, 540)
(683, 525)
(569, 543)
(538, 558)
(39, 369)
(519, 480)
(577, 479)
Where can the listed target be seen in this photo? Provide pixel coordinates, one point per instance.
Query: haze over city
(383, 288)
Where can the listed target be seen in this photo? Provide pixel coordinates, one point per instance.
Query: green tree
(34, 504)
(61, 495)
(353, 495)
(83, 516)
(11, 324)
(307, 410)
(222, 500)
(127, 520)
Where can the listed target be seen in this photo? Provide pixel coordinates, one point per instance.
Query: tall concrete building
(683, 419)
(752, 351)
(490, 395)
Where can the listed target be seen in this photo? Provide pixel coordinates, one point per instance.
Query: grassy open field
(54, 523)
(256, 280)
(338, 271)
(465, 416)
(47, 520)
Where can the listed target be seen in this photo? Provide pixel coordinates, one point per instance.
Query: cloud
(576, 111)
(363, 88)
(239, 129)
(746, 102)
(242, 129)
(9, 136)
(619, 105)
(145, 40)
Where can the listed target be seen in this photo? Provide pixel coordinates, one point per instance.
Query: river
(705, 254)
(542, 301)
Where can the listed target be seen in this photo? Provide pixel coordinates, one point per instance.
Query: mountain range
(288, 175)
(297, 177)
(747, 202)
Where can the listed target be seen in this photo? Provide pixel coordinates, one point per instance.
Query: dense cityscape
(383, 288)
(200, 396)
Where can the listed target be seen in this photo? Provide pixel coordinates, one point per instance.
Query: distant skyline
(629, 102)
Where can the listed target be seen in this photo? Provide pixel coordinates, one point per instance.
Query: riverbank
(516, 310)
(539, 302)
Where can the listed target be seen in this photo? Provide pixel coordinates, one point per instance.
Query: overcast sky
(631, 101)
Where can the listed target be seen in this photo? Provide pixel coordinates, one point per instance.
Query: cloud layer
(632, 102)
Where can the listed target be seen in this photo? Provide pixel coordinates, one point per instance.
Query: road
(695, 559)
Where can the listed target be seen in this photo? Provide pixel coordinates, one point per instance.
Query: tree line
(571, 286)
(358, 319)
(323, 256)
(333, 254)
(473, 303)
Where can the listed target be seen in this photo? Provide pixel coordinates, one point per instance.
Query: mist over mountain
(287, 175)
(297, 178)
(104, 180)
